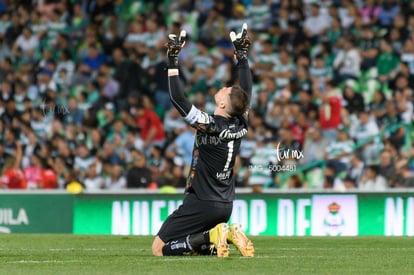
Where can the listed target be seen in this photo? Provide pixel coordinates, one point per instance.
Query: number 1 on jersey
(230, 145)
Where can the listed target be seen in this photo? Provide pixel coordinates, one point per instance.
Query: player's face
(222, 97)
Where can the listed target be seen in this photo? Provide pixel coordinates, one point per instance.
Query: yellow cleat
(218, 237)
(239, 239)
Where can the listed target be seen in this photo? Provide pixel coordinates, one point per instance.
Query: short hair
(239, 101)
(374, 168)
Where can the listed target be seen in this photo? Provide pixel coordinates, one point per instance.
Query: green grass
(81, 254)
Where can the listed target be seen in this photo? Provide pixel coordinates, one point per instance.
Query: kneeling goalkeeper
(199, 225)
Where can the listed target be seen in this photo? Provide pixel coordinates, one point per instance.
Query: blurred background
(84, 94)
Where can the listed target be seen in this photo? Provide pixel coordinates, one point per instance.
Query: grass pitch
(90, 254)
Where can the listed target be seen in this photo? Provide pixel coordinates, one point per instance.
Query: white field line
(43, 262)
(82, 249)
(336, 249)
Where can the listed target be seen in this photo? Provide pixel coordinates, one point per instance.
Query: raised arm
(245, 77)
(241, 43)
(177, 96)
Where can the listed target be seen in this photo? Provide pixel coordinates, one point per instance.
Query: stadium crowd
(84, 93)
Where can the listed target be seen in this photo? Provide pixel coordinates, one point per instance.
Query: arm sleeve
(190, 113)
(245, 77)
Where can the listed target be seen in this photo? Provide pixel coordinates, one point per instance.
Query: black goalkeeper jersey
(217, 142)
(216, 146)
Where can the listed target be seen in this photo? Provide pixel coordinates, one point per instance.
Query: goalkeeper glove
(241, 43)
(174, 46)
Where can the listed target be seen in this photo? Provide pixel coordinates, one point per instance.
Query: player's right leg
(237, 237)
(218, 237)
(157, 246)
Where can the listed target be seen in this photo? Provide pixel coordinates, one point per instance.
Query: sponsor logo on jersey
(229, 135)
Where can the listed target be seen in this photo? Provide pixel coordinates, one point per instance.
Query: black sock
(185, 245)
(197, 240)
(177, 248)
(206, 249)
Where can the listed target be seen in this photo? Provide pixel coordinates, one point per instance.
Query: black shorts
(194, 216)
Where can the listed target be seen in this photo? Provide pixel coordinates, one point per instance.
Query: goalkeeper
(199, 225)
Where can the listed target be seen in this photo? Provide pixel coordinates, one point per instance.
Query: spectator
(259, 14)
(391, 116)
(338, 153)
(316, 24)
(12, 177)
(319, 73)
(354, 102)
(213, 28)
(83, 160)
(387, 62)
(150, 125)
(307, 105)
(10, 113)
(49, 179)
(138, 176)
(173, 122)
(260, 168)
(314, 146)
(66, 63)
(405, 176)
(332, 181)
(183, 144)
(172, 175)
(33, 172)
(282, 71)
(287, 141)
(26, 44)
(387, 166)
(116, 180)
(364, 132)
(5, 69)
(372, 180)
(4, 23)
(347, 63)
(136, 35)
(247, 147)
(404, 104)
(93, 181)
(295, 182)
(109, 86)
(109, 155)
(74, 113)
(329, 111)
(387, 11)
(94, 57)
(377, 106)
(369, 12)
(266, 59)
(13, 31)
(354, 172)
(368, 44)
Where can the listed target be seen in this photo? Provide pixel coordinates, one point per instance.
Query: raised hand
(241, 43)
(174, 46)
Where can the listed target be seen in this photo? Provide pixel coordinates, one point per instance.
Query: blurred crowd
(84, 92)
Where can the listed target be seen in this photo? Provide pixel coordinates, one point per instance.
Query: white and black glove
(174, 46)
(241, 43)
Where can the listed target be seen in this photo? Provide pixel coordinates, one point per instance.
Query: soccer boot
(239, 239)
(218, 237)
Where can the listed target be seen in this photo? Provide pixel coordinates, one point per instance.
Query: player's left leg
(186, 245)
